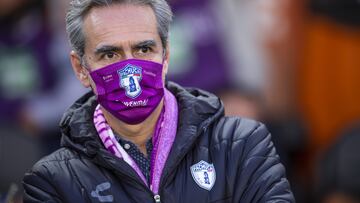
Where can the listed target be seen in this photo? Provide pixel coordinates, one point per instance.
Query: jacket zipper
(136, 179)
(157, 199)
(203, 130)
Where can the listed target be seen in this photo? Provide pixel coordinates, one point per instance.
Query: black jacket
(246, 164)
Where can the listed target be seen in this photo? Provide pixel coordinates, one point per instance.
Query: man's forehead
(121, 14)
(120, 23)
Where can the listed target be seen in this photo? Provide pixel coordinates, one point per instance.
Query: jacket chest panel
(200, 177)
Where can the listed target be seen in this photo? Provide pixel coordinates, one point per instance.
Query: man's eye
(109, 55)
(144, 50)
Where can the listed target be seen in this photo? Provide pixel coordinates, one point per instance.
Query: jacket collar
(197, 109)
(77, 126)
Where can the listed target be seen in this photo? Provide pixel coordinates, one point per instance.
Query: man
(141, 140)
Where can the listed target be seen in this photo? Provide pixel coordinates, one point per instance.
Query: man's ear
(79, 70)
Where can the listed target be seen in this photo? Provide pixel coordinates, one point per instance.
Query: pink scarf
(163, 139)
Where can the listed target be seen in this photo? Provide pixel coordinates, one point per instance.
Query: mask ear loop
(163, 60)
(164, 55)
(86, 71)
(83, 64)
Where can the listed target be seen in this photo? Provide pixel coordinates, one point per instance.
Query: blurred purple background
(293, 65)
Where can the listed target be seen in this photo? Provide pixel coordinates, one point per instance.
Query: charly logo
(130, 77)
(101, 188)
(204, 174)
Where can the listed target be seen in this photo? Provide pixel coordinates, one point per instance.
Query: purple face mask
(130, 89)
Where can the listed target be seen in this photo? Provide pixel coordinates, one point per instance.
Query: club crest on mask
(130, 77)
(204, 174)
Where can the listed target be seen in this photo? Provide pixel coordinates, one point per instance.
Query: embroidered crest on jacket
(204, 174)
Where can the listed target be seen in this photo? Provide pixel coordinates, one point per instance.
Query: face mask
(130, 89)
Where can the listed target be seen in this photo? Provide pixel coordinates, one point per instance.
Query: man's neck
(139, 133)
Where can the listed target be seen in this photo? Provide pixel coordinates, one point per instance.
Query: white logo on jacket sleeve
(204, 174)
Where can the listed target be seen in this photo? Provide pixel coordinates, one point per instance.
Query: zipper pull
(157, 198)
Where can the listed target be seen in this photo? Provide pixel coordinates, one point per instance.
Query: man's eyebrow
(106, 49)
(146, 43)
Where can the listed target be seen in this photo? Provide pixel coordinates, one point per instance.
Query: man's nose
(128, 55)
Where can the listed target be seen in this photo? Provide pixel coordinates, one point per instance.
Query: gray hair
(80, 8)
